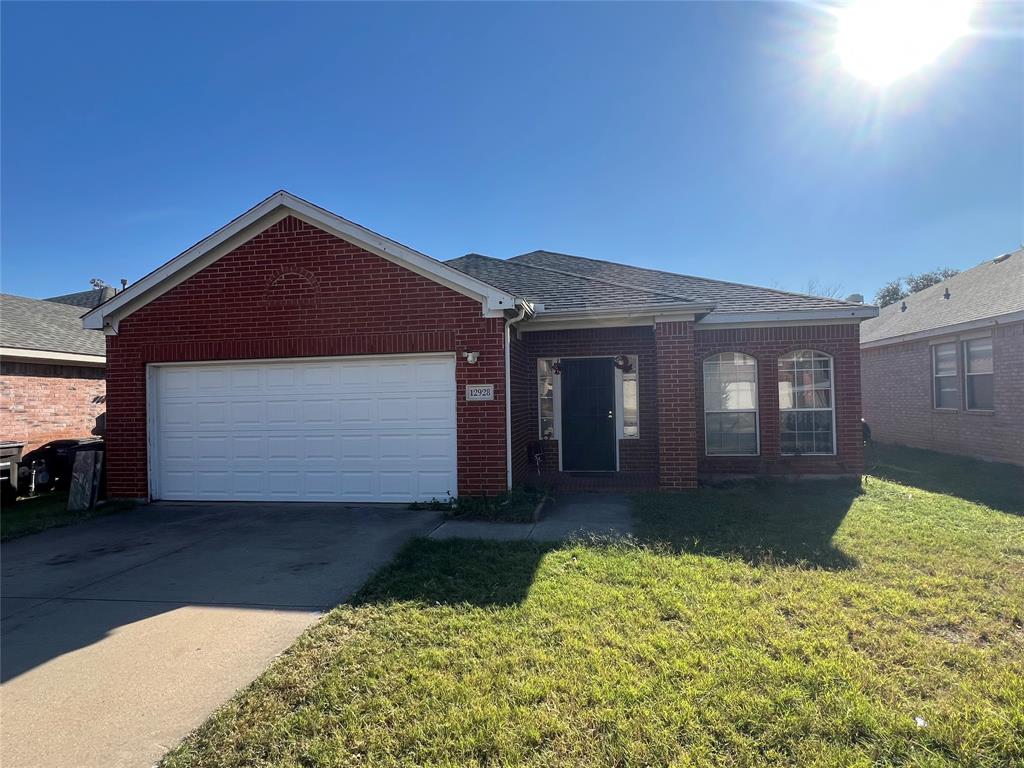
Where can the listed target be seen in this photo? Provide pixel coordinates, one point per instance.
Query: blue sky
(718, 139)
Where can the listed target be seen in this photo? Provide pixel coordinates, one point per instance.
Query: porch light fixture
(471, 357)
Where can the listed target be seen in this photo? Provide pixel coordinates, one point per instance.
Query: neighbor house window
(947, 393)
(805, 403)
(546, 397)
(978, 374)
(630, 401)
(730, 405)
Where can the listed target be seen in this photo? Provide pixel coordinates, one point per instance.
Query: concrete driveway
(121, 635)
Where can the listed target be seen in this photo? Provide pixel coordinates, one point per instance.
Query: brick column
(677, 414)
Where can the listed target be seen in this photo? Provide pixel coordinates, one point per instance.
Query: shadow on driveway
(121, 634)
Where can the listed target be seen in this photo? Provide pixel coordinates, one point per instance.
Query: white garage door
(355, 429)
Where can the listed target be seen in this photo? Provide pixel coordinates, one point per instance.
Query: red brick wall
(47, 402)
(677, 445)
(898, 400)
(636, 455)
(296, 291)
(767, 345)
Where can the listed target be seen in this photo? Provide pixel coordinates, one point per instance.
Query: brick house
(51, 369)
(295, 355)
(944, 368)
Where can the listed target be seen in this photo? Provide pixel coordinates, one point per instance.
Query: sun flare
(883, 40)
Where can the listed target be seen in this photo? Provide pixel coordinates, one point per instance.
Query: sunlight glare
(883, 40)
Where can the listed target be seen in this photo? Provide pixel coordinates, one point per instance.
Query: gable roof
(992, 291)
(556, 281)
(494, 300)
(36, 325)
(88, 299)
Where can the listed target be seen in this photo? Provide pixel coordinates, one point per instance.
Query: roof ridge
(653, 291)
(690, 277)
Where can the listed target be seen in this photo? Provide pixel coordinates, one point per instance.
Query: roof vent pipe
(903, 307)
(946, 294)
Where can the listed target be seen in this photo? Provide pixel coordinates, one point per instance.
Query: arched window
(730, 405)
(806, 404)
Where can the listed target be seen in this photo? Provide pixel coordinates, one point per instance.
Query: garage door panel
(434, 484)
(357, 412)
(282, 413)
(347, 430)
(319, 413)
(434, 410)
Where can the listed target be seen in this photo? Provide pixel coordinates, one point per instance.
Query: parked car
(49, 466)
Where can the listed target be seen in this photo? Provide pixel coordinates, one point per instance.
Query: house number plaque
(479, 391)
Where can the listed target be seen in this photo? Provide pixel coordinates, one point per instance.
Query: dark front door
(588, 415)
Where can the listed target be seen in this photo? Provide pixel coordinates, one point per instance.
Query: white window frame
(832, 400)
(756, 410)
(967, 373)
(936, 375)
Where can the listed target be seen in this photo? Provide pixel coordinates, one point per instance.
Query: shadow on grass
(770, 521)
(999, 486)
(453, 571)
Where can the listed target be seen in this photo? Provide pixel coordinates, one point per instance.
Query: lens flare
(883, 40)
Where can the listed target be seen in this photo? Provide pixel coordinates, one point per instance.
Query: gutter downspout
(508, 391)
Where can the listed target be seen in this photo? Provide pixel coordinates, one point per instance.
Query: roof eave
(53, 356)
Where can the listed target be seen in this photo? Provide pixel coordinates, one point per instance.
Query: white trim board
(494, 301)
(796, 316)
(46, 356)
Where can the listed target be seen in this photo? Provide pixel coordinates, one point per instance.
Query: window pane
(946, 393)
(979, 392)
(630, 406)
(730, 382)
(785, 393)
(945, 359)
(806, 432)
(979, 356)
(546, 398)
(731, 433)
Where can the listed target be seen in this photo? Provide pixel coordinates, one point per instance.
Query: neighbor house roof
(989, 293)
(560, 281)
(87, 299)
(43, 329)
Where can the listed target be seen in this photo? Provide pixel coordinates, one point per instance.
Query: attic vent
(1000, 259)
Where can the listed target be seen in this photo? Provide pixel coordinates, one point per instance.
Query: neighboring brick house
(294, 355)
(944, 368)
(51, 369)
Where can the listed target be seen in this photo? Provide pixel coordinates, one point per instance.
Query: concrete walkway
(121, 635)
(566, 517)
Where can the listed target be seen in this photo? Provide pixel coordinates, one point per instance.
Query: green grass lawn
(49, 510)
(757, 625)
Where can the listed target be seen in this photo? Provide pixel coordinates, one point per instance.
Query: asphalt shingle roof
(561, 281)
(88, 299)
(558, 291)
(46, 325)
(993, 288)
